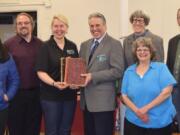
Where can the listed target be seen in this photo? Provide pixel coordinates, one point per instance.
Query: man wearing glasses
(25, 110)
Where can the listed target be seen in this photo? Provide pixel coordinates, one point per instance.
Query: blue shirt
(141, 90)
(9, 81)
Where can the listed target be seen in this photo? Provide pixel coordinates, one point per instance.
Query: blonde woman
(57, 99)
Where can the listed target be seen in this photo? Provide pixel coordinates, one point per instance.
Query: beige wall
(162, 13)
(76, 10)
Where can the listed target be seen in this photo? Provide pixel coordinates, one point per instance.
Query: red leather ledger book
(74, 67)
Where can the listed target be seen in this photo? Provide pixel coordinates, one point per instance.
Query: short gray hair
(97, 15)
(139, 14)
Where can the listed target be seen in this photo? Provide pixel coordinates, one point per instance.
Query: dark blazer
(171, 55)
(156, 40)
(106, 66)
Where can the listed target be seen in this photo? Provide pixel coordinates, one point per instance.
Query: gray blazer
(127, 44)
(106, 66)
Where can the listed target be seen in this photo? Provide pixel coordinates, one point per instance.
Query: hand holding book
(73, 69)
(60, 85)
(88, 78)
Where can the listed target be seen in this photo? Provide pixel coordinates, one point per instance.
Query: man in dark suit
(104, 57)
(173, 63)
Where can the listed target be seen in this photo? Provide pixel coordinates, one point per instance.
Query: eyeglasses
(142, 50)
(140, 20)
(21, 23)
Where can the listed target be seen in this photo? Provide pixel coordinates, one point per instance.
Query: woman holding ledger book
(58, 99)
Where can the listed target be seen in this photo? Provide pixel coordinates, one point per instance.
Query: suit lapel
(130, 40)
(89, 50)
(175, 45)
(98, 50)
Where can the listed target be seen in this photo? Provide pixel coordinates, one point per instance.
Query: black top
(49, 62)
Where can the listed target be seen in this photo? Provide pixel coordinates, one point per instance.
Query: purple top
(24, 55)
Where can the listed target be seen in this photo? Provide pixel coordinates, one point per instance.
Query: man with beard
(24, 110)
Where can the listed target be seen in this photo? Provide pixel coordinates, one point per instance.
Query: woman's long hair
(4, 56)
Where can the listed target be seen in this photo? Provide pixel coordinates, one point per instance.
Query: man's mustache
(24, 28)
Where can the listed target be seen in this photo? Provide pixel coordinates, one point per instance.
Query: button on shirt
(142, 90)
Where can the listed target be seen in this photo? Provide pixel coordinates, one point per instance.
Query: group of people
(30, 79)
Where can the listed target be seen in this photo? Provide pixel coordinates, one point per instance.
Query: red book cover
(74, 67)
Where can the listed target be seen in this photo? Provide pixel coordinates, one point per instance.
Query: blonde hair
(61, 18)
(97, 15)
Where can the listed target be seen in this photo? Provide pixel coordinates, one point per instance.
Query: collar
(53, 42)
(137, 35)
(20, 39)
(134, 66)
(100, 39)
